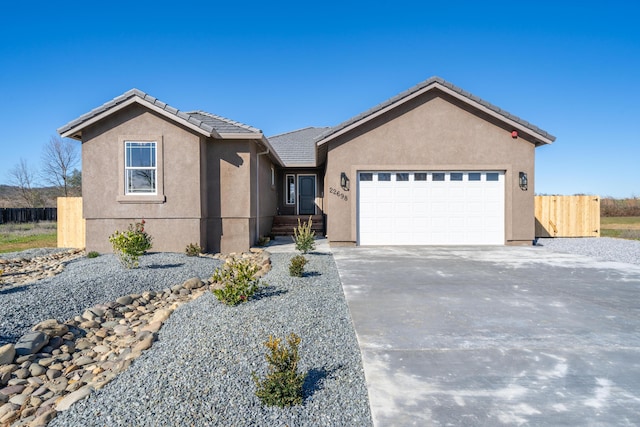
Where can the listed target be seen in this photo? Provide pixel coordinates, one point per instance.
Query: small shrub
(193, 249)
(93, 254)
(1, 271)
(238, 282)
(264, 240)
(304, 236)
(296, 266)
(130, 245)
(283, 384)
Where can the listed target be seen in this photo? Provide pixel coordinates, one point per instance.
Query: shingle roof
(297, 148)
(222, 124)
(434, 81)
(209, 123)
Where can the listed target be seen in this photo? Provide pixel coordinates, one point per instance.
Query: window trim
(123, 196)
(128, 145)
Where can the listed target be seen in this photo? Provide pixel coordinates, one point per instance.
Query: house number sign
(338, 193)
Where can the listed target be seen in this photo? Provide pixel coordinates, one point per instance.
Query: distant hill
(10, 196)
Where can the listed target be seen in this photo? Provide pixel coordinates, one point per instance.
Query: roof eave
(240, 135)
(376, 114)
(274, 154)
(301, 165)
(539, 138)
(75, 132)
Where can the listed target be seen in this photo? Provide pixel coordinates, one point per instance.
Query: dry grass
(18, 237)
(619, 207)
(625, 227)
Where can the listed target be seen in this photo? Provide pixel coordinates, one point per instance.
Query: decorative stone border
(21, 271)
(57, 364)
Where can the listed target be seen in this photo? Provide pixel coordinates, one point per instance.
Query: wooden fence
(567, 216)
(71, 225)
(27, 214)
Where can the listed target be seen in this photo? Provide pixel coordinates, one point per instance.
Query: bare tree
(75, 182)
(25, 179)
(59, 158)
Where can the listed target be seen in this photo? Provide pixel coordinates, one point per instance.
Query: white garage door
(431, 208)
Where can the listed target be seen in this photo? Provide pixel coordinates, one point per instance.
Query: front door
(307, 194)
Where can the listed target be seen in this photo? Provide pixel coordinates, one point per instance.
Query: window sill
(141, 199)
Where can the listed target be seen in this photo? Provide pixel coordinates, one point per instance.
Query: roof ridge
(224, 119)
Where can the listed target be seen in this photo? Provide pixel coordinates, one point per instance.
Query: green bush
(130, 245)
(283, 384)
(304, 236)
(296, 266)
(237, 281)
(193, 249)
(93, 254)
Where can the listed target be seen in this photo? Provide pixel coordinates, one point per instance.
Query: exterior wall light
(344, 181)
(524, 182)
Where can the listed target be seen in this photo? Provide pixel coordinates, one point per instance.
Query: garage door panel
(465, 208)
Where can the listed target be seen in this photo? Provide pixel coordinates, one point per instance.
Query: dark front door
(307, 195)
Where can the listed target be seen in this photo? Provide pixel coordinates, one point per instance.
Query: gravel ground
(198, 373)
(604, 248)
(86, 282)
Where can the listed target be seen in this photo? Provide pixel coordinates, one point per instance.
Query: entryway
(306, 194)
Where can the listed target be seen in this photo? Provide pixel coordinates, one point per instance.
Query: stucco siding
(265, 197)
(429, 133)
(103, 187)
(228, 175)
(169, 234)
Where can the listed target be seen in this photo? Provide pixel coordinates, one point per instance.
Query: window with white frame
(290, 190)
(140, 167)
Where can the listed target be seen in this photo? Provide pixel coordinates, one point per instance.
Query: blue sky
(571, 68)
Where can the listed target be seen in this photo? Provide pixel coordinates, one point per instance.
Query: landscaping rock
(36, 370)
(31, 343)
(52, 328)
(72, 398)
(124, 300)
(193, 283)
(43, 419)
(20, 271)
(7, 353)
(8, 412)
(19, 399)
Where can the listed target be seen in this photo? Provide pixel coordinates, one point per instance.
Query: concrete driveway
(495, 335)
